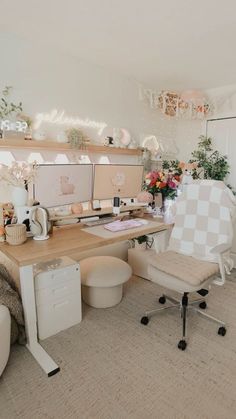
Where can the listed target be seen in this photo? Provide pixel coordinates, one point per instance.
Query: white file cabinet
(58, 296)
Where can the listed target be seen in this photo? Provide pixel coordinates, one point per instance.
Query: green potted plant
(211, 164)
(76, 138)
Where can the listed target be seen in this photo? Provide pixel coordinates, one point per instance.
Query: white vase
(168, 213)
(19, 196)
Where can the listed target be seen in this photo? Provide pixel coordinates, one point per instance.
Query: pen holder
(15, 233)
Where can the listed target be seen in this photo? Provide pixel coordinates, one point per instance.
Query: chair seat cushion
(104, 271)
(186, 268)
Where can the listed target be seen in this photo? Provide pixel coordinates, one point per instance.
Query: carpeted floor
(112, 367)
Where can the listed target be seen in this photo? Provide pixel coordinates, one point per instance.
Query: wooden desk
(63, 242)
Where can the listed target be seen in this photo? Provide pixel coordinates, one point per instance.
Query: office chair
(201, 235)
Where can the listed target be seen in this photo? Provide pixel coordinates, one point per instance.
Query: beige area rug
(112, 367)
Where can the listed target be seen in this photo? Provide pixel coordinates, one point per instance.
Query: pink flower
(172, 184)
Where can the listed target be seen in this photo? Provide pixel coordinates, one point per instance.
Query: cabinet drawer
(58, 291)
(58, 316)
(58, 276)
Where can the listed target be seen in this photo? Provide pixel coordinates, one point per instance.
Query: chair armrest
(221, 248)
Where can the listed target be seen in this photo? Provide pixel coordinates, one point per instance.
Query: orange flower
(162, 184)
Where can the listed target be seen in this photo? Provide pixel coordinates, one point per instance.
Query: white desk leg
(28, 300)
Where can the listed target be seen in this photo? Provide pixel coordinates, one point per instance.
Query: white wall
(45, 79)
(187, 137)
(187, 132)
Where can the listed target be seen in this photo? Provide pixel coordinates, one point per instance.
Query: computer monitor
(62, 184)
(112, 180)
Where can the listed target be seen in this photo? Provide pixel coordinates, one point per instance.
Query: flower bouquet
(18, 174)
(164, 182)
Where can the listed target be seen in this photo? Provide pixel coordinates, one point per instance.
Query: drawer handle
(60, 304)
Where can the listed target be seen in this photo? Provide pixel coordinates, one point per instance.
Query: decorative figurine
(108, 141)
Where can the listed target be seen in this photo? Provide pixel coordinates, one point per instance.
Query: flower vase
(19, 196)
(168, 215)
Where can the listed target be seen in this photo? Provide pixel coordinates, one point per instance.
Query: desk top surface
(68, 239)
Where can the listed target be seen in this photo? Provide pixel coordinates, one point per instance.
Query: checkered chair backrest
(203, 219)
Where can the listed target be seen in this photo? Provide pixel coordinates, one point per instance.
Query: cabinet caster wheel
(182, 345)
(144, 320)
(203, 305)
(222, 331)
(162, 299)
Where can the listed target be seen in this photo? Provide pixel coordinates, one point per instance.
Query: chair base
(184, 305)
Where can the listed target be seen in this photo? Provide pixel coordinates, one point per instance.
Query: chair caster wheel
(144, 320)
(203, 305)
(182, 345)
(162, 299)
(222, 331)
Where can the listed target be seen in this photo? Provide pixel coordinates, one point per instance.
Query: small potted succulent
(29, 122)
(76, 138)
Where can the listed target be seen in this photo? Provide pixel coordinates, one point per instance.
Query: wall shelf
(45, 145)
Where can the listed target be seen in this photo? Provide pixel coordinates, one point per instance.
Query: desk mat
(100, 231)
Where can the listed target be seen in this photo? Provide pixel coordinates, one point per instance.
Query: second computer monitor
(112, 180)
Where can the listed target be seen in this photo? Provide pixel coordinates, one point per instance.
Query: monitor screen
(112, 180)
(62, 184)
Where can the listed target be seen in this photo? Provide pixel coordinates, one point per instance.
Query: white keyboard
(101, 221)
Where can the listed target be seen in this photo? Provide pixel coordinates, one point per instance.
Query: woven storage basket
(15, 233)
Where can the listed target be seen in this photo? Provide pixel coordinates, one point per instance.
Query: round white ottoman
(5, 336)
(102, 279)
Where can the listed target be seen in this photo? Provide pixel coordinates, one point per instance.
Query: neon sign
(60, 118)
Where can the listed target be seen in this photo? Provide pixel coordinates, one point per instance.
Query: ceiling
(179, 44)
